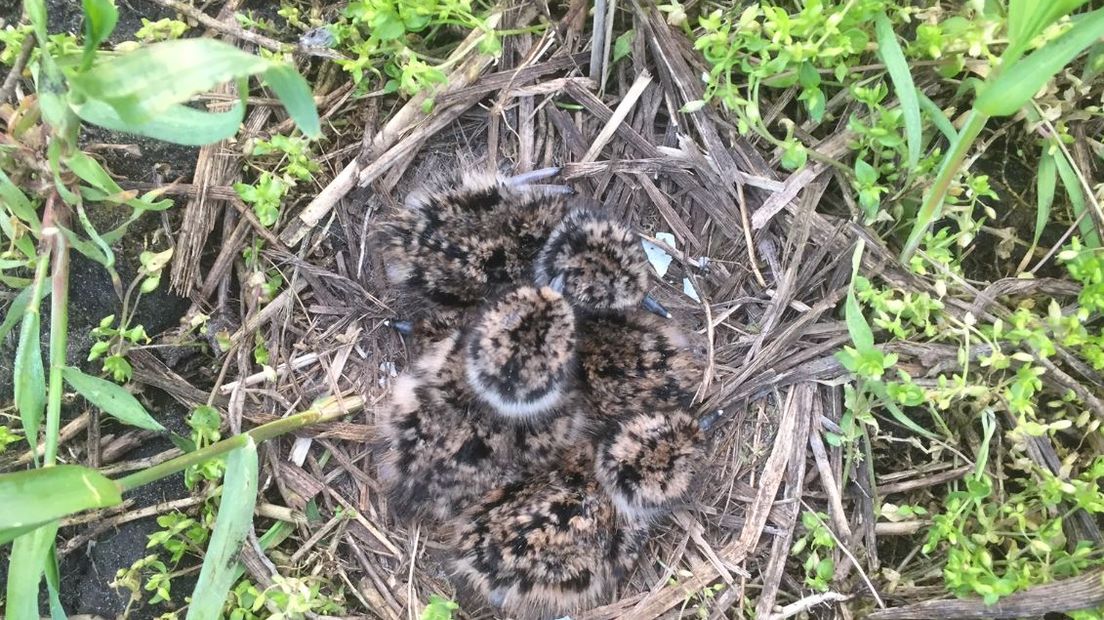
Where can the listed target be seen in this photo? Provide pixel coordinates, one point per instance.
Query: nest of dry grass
(776, 270)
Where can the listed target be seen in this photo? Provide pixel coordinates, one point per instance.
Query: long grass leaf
(890, 51)
(29, 373)
(932, 207)
(113, 399)
(1045, 185)
(30, 378)
(53, 585)
(100, 17)
(136, 84)
(18, 203)
(938, 118)
(16, 308)
(1077, 201)
(295, 94)
(235, 517)
(1019, 82)
(10, 534)
(177, 123)
(1028, 18)
(50, 493)
(25, 567)
(898, 414)
(857, 327)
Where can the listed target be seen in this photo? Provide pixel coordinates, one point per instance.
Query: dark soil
(86, 572)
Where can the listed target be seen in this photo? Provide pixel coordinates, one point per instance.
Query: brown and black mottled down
(442, 448)
(483, 406)
(646, 461)
(460, 242)
(520, 353)
(546, 546)
(635, 362)
(601, 261)
(638, 375)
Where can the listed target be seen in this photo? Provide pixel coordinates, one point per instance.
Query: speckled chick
(444, 440)
(602, 262)
(638, 376)
(520, 354)
(460, 242)
(547, 546)
(635, 361)
(646, 461)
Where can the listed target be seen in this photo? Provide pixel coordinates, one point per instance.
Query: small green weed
(7, 437)
(439, 608)
(160, 30)
(816, 544)
(386, 39)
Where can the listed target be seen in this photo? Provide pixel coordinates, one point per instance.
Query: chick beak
(557, 284)
(526, 180)
(656, 308)
(709, 420)
(405, 328)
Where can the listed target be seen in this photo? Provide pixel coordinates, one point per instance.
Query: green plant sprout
(123, 91)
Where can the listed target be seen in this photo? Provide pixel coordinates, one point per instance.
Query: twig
(627, 102)
(847, 552)
(228, 28)
(808, 603)
(1083, 592)
(17, 69)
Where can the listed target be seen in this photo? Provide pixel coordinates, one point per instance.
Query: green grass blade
(100, 17)
(30, 374)
(932, 207)
(235, 517)
(1019, 82)
(1045, 185)
(16, 201)
(36, 13)
(10, 534)
(87, 248)
(898, 414)
(53, 492)
(938, 118)
(1028, 18)
(143, 83)
(30, 378)
(16, 309)
(890, 51)
(28, 560)
(113, 399)
(177, 123)
(860, 331)
(295, 94)
(53, 585)
(1077, 201)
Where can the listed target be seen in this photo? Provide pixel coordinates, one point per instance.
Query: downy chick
(638, 375)
(634, 361)
(602, 262)
(647, 461)
(483, 406)
(546, 546)
(459, 243)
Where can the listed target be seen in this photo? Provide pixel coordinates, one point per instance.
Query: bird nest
(754, 276)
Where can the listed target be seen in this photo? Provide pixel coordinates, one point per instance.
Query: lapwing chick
(546, 546)
(601, 261)
(646, 461)
(635, 361)
(458, 425)
(520, 354)
(459, 242)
